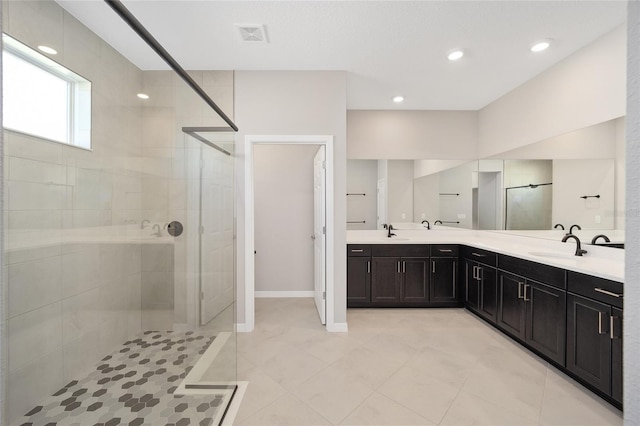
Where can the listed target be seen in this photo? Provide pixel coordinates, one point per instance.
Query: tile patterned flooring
(400, 367)
(134, 386)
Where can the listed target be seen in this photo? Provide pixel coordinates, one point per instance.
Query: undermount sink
(553, 255)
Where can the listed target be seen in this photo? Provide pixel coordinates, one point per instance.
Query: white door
(319, 230)
(382, 203)
(216, 234)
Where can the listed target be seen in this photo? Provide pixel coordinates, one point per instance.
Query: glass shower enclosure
(118, 284)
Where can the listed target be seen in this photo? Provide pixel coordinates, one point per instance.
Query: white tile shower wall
(74, 277)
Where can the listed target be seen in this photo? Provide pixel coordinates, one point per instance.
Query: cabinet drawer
(606, 291)
(444, 250)
(358, 250)
(400, 250)
(479, 255)
(535, 271)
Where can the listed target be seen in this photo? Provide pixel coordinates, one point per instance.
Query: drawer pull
(526, 286)
(478, 254)
(404, 267)
(445, 250)
(433, 266)
(398, 266)
(608, 293)
(357, 250)
(368, 266)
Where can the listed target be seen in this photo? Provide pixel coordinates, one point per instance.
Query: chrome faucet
(571, 229)
(389, 233)
(606, 239)
(157, 228)
(579, 250)
(142, 223)
(559, 225)
(436, 222)
(427, 222)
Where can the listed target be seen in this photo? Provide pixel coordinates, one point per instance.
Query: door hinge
(324, 295)
(324, 230)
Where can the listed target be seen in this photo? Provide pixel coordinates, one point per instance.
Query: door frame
(249, 244)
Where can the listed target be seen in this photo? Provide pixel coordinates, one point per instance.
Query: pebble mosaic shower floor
(134, 386)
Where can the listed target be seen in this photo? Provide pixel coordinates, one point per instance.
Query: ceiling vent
(252, 33)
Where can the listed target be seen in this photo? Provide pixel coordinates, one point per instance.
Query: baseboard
(242, 328)
(338, 327)
(265, 294)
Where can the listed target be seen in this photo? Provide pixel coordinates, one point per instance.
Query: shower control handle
(175, 228)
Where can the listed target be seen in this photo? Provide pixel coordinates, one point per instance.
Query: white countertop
(604, 262)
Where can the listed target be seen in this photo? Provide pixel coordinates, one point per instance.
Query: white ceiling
(387, 47)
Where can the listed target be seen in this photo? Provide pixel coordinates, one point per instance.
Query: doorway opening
(323, 223)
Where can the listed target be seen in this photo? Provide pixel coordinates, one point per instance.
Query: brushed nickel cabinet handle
(445, 250)
(433, 266)
(520, 287)
(600, 322)
(480, 273)
(526, 286)
(475, 272)
(357, 250)
(608, 293)
(398, 266)
(478, 254)
(368, 266)
(611, 333)
(404, 266)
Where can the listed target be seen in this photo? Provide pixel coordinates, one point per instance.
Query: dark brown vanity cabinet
(358, 275)
(480, 282)
(400, 275)
(390, 275)
(531, 311)
(594, 332)
(443, 285)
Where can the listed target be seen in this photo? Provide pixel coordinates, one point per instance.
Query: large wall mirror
(545, 188)
(536, 190)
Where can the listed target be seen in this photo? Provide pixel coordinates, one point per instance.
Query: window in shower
(43, 98)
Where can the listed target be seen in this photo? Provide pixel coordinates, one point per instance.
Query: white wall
(283, 217)
(632, 245)
(400, 191)
(574, 178)
(428, 167)
(597, 141)
(362, 178)
(586, 88)
(620, 171)
(412, 134)
(294, 103)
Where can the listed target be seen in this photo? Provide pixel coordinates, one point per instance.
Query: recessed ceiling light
(143, 96)
(47, 49)
(398, 99)
(454, 55)
(540, 45)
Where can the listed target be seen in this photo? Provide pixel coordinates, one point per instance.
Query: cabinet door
(615, 333)
(488, 292)
(415, 280)
(358, 281)
(511, 304)
(588, 341)
(385, 279)
(471, 286)
(546, 316)
(442, 287)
